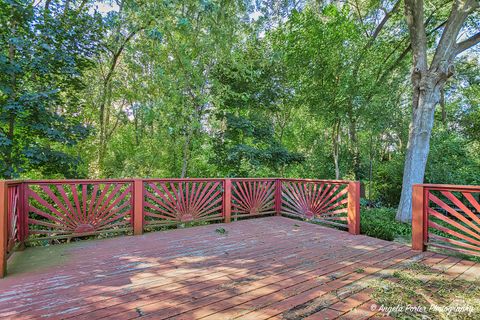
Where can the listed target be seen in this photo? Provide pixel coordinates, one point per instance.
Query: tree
(123, 31)
(44, 50)
(248, 90)
(428, 80)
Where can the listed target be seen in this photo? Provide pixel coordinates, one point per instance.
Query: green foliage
(214, 88)
(388, 181)
(221, 231)
(452, 158)
(380, 223)
(247, 101)
(44, 54)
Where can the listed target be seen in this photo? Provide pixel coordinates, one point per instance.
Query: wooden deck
(266, 268)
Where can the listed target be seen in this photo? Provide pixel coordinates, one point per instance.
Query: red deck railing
(446, 217)
(44, 211)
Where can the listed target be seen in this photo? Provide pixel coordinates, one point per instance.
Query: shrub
(380, 223)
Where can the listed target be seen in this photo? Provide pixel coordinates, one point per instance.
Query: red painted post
(3, 227)
(138, 207)
(418, 218)
(22, 216)
(227, 201)
(278, 197)
(353, 214)
(25, 212)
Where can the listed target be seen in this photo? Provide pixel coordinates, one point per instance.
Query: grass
(420, 292)
(380, 223)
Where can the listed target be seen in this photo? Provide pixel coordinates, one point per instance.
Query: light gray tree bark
(428, 80)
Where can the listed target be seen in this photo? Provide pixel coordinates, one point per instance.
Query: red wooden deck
(266, 268)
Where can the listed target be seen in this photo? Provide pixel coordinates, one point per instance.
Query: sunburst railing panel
(174, 201)
(74, 209)
(40, 212)
(326, 201)
(253, 197)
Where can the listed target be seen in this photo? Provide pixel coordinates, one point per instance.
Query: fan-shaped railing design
(39, 212)
(64, 210)
(325, 201)
(253, 197)
(176, 201)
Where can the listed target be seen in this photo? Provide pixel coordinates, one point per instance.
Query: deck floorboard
(264, 268)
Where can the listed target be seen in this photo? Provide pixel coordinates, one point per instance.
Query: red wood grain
(354, 207)
(227, 200)
(3, 227)
(183, 201)
(418, 218)
(138, 205)
(320, 200)
(262, 268)
(253, 197)
(446, 217)
(77, 209)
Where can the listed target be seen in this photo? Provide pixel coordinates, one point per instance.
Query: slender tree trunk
(11, 113)
(186, 153)
(103, 124)
(352, 131)
(370, 173)
(336, 147)
(337, 167)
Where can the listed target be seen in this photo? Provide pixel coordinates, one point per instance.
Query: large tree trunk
(428, 81)
(426, 97)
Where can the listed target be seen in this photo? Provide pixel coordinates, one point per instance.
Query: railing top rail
(131, 180)
(13, 182)
(450, 187)
(254, 179)
(74, 181)
(317, 180)
(181, 179)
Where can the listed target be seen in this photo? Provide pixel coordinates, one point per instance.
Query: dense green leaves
(44, 54)
(224, 88)
(249, 91)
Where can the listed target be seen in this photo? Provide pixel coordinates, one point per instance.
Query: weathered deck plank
(260, 269)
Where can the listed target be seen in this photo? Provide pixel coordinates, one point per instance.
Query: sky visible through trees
(204, 88)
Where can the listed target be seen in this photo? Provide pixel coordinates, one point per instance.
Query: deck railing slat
(447, 217)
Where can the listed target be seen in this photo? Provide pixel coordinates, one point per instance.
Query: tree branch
(418, 38)
(384, 20)
(446, 47)
(466, 44)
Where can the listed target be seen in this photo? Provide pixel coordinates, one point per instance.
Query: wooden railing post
(3, 227)
(353, 215)
(227, 200)
(138, 207)
(418, 217)
(278, 197)
(22, 216)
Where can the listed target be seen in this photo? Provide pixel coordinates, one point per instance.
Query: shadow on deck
(272, 267)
